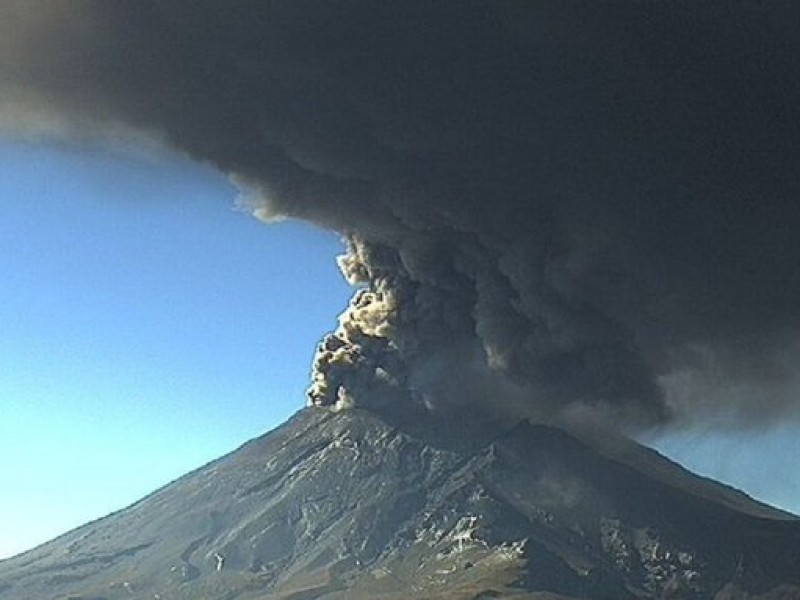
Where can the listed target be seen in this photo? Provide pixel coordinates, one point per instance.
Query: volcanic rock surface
(342, 505)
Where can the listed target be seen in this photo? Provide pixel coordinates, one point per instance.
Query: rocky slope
(344, 506)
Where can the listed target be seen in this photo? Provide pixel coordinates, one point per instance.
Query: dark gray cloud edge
(555, 207)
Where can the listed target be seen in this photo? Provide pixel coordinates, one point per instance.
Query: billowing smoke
(551, 208)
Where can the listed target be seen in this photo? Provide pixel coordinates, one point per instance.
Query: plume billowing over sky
(550, 207)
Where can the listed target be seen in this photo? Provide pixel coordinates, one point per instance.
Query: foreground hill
(344, 506)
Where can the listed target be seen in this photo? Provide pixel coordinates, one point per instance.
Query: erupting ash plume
(362, 356)
(550, 207)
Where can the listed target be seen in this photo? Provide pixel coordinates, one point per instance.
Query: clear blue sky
(146, 327)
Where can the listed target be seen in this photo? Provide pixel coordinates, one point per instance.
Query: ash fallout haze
(575, 212)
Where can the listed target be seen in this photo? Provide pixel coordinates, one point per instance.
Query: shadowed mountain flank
(341, 505)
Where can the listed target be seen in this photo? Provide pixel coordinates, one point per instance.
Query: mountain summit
(342, 505)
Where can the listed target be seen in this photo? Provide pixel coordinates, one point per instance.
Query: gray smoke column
(551, 208)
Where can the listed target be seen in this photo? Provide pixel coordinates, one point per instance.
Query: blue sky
(147, 327)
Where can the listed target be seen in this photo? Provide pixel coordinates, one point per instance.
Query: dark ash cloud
(553, 207)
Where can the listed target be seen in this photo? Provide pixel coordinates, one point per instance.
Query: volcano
(345, 505)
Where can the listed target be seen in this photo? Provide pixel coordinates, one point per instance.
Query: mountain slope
(342, 505)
